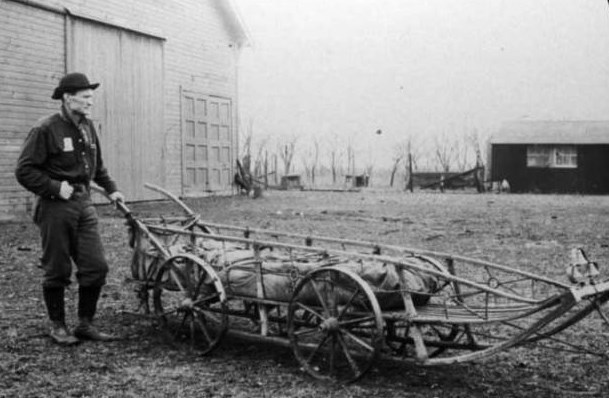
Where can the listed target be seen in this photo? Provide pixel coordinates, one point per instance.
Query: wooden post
(411, 312)
(410, 182)
(266, 169)
(276, 172)
(262, 309)
(450, 265)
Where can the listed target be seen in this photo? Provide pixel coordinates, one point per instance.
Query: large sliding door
(128, 108)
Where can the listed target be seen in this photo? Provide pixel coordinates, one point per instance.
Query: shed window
(555, 156)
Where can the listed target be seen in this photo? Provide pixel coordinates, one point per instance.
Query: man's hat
(73, 82)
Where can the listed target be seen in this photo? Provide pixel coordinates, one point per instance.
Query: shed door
(128, 104)
(208, 144)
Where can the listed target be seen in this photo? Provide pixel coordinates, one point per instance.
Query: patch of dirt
(532, 232)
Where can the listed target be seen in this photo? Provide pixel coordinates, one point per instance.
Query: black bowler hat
(71, 83)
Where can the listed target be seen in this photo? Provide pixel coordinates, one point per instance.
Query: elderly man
(60, 157)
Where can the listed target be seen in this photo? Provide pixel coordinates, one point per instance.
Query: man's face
(80, 102)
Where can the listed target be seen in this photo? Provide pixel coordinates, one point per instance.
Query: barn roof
(234, 21)
(552, 132)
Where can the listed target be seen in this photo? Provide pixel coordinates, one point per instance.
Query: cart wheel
(190, 303)
(335, 325)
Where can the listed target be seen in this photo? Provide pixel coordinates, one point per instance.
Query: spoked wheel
(191, 304)
(335, 325)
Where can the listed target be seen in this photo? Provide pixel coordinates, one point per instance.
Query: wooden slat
(128, 105)
(433, 313)
(13, 57)
(31, 47)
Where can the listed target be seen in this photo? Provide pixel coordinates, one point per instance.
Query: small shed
(357, 181)
(551, 156)
(291, 181)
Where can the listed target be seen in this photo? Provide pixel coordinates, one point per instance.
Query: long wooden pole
(410, 179)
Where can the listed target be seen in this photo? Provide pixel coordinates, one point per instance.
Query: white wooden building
(166, 110)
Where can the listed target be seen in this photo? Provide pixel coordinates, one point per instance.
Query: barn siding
(32, 60)
(199, 56)
(129, 103)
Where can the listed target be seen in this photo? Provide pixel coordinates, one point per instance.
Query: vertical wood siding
(128, 110)
(198, 55)
(31, 62)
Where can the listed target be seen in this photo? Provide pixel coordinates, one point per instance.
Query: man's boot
(54, 300)
(87, 305)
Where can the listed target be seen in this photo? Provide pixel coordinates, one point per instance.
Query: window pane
(560, 156)
(539, 156)
(566, 156)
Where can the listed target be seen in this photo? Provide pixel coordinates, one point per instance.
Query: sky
(337, 71)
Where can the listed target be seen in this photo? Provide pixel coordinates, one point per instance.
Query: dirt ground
(533, 232)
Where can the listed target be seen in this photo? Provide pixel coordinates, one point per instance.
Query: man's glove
(116, 196)
(65, 190)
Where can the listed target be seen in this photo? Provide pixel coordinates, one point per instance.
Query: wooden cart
(342, 304)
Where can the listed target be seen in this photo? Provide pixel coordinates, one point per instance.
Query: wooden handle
(119, 204)
(171, 196)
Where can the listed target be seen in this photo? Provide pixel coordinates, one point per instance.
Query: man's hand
(65, 190)
(116, 196)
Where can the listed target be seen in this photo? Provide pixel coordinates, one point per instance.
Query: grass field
(531, 232)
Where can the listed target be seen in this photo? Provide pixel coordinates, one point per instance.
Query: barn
(166, 110)
(552, 156)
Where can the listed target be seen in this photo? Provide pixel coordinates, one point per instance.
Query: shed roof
(552, 132)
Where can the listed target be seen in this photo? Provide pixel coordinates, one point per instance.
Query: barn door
(207, 144)
(128, 106)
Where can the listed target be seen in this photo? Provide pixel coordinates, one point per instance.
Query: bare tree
(405, 153)
(286, 154)
(473, 140)
(253, 160)
(306, 166)
(246, 149)
(368, 173)
(461, 151)
(335, 152)
(334, 159)
(350, 159)
(410, 164)
(399, 154)
(243, 175)
(315, 159)
(260, 158)
(444, 151)
(310, 160)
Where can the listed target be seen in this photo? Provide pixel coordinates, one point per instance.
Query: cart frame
(333, 320)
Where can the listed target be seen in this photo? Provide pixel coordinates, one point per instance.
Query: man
(60, 157)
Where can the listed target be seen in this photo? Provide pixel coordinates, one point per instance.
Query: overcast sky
(347, 68)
